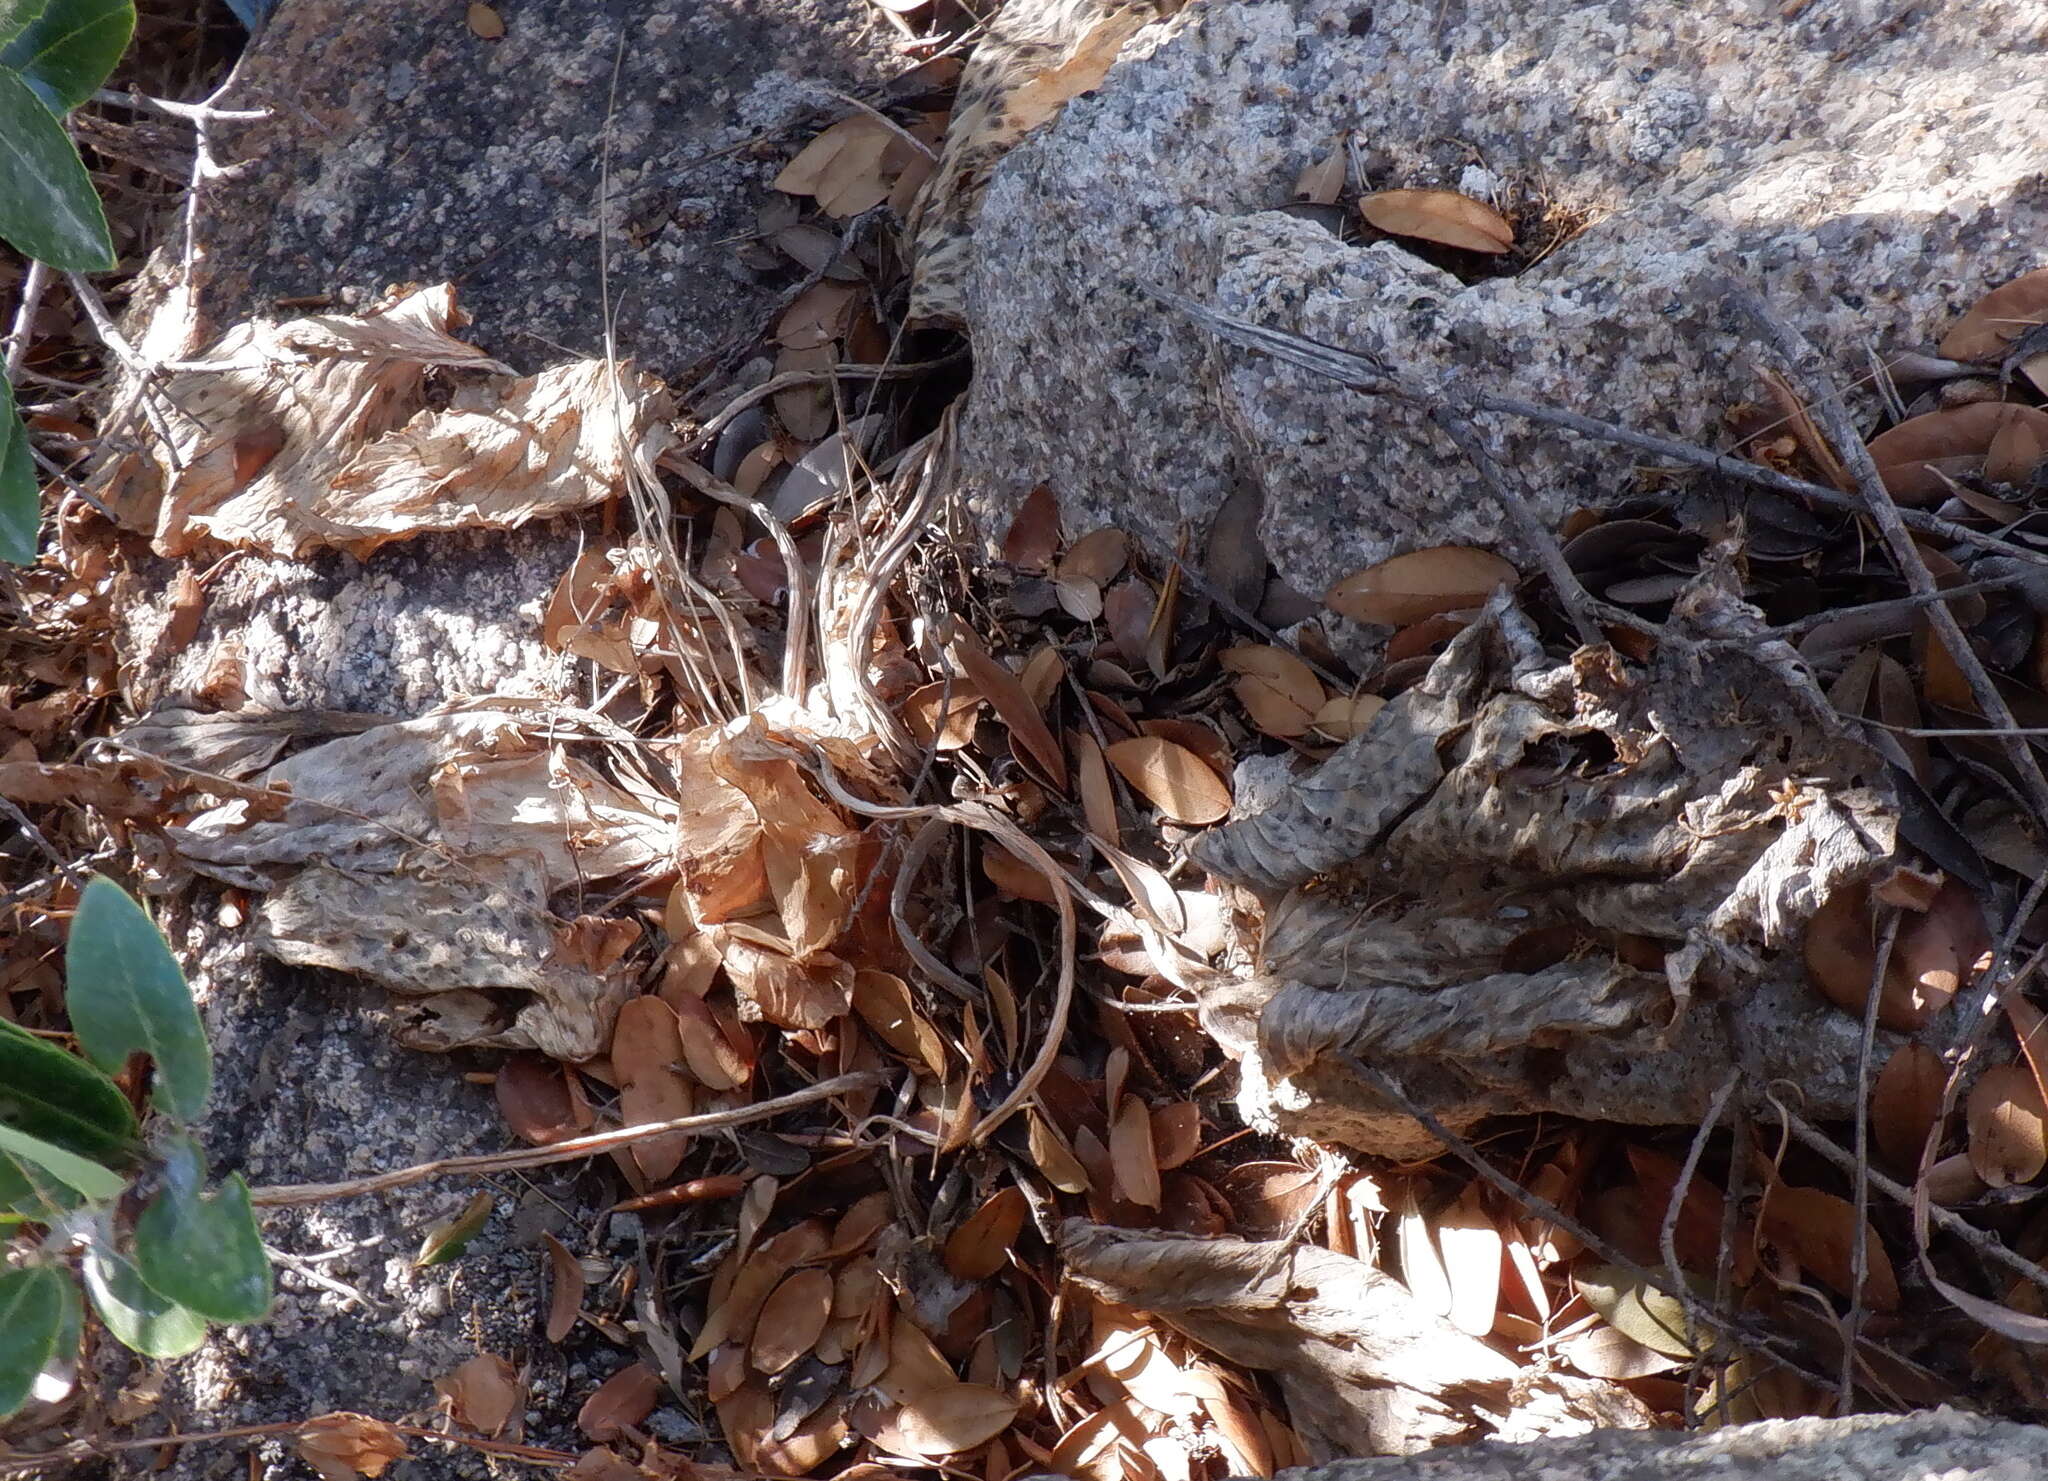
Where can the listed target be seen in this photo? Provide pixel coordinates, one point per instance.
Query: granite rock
(1874, 170)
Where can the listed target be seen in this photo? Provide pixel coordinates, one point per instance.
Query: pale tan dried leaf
(885, 1003)
(1098, 798)
(1905, 1099)
(1422, 1267)
(1172, 778)
(1407, 588)
(1079, 598)
(787, 993)
(817, 165)
(2008, 1126)
(1279, 691)
(1132, 1154)
(859, 1225)
(855, 1288)
(482, 1394)
(1819, 1230)
(1049, 1150)
(981, 1245)
(945, 1419)
(922, 714)
(1998, 318)
(1197, 737)
(1243, 1437)
(1343, 716)
(805, 411)
(565, 1288)
(1042, 675)
(1470, 1244)
(1322, 181)
(624, 1399)
(1034, 535)
(341, 1445)
(484, 22)
(820, 315)
(1127, 609)
(791, 1320)
(1013, 706)
(709, 1052)
(1152, 892)
(1441, 216)
(1913, 455)
(1608, 1352)
(1041, 97)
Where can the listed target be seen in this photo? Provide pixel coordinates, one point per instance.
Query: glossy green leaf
(125, 993)
(451, 1236)
(71, 48)
(48, 208)
(203, 1250)
(88, 1177)
(20, 501)
(27, 1192)
(15, 16)
(63, 1100)
(138, 1316)
(38, 1312)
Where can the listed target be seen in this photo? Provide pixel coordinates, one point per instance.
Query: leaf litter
(719, 885)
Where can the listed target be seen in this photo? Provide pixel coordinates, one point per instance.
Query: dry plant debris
(844, 802)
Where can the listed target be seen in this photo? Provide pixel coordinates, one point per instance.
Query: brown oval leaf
(1819, 1229)
(1419, 584)
(941, 714)
(1904, 1100)
(1998, 318)
(647, 1045)
(1096, 557)
(1172, 778)
(1912, 455)
(2008, 1139)
(981, 1245)
(1176, 1132)
(1346, 715)
(1442, 216)
(482, 1394)
(1034, 535)
(625, 1398)
(1098, 798)
(1013, 706)
(791, 1320)
(485, 22)
(533, 1096)
(1277, 689)
(565, 1288)
(1132, 1155)
(944, 1419)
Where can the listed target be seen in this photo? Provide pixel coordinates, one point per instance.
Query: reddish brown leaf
(1172, 778)
(646, 1047)
(981, 1245)
(1013, 707)
(483, 1394)
(624, 1399)
(1034, 535)
(2008, 1126)
(565, 1288)
(1442, 216)
(791, 1320)
(1410, 587)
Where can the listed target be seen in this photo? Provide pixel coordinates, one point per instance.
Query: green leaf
(38, 1312)
(20, 503)
(203, 1250)
(15, 16)
(450, 1237)
(138, 1316)
(27, 1192)
(89, 1178)
(71, 48)
(125, 993)
(48, 208)
(62, 1099)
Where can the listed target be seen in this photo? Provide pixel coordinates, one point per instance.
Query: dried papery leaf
(1127, 612)
(1913, 455)
(1470, 1244)
(1279, 691)
(1172, 778)
(533, 1097)
(1609, 1352)
(1697, 1233)
(565, 1288)
(1056, 1159)
(1410, 587)
(2008, 1137)
(1091, 778)
(859, 1225)
(791, 1320)
(1034, 535)
(2016, 450)
(622, 1400)
(1441, 216)
(1043, 673)
(1343, 716)
(1015, 878)
(714, 1061)
(1841, 960)
(1905, 1098)
(1096, 557)
(1937, 951)
(1152, 892)
(482, 1394)
(1013, 706)
(2030, 1025)
(1819, 1230)
(1631, 1305)
(1176, 1132)
(1243, 1437)
(732, 1316)
(981, 1245)
(1998, 318)
(1322, 181)
(484, 22)
(1422, 1267)
(647, 1046)
(819, 315)
(943, 1419)
(342, 1445)
(885, 1003)
(838, 162)
(941, 714)
(1165, 612)
(1132, 1154)
(787, 993)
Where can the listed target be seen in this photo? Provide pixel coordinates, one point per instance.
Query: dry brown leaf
(1042, 675)
(885, 1004)
(1841, 961)
(1096, 557)
(820, 315)
(647, 1046)
(565, 1288)
(712, 1049)
(1343, 716)
(2016, 450)
(1819, 1230)
(1407, 588)
(624, 1399)
(1040, 98)
(1470, 1244)
(1904, 1101)
(1098, 798)
(981, 1245)
(1034, 534)
(1172, 778)
(2008, 1126)
(1278, 690)
(1013, 706)
(535, 1098)
(791, 1320)
(1607, 1352)
(1998, 318)
(1441, 216)
(1914, 455)
(733, 1312)
(1176, 1132)
(484, 22)
(787, 993)
(1322, 181)
(817, 165)
(859, 1225)
(1054, 1157)
(1132, 1154)
(1422, 1267)
(341, 1445)
(1243, 1437)
(1696, 1234)
(922, 714)
(483, 1394)
(1127, 609)
(943, 1419)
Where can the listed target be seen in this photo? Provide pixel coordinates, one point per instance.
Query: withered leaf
(1278, 690)
(1904, 1100)
(981, 1245)
(791, 1320)
(1913, 455)
(342, 1445)
(1407, 588)
(1172, 778)
(1998, 318)
(1034, 535)
(2008, 1126)
(1441, 216)
(1132, 1154)
(1013, 706)
(626, 1398)
(647, 1048)
(1819, 1229)
(482, 1394)
(565, 1288)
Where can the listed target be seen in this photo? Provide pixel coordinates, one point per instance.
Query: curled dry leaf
(626, 1398)
(1419, 584)
(1997, 319)
(981, 1245)
(342, 1445)
(1441, 216)
(1819, 1230)
(941, 714)
(565, 1288)
(1054, 1157)
(884, 1002)
(482, 1394)
(791, 1320)
(2008, 1126)
(943, 1419)
(1277, 689)
(1914, 456)
(1172, 778)
(647, 1045)
(1904, 1101)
